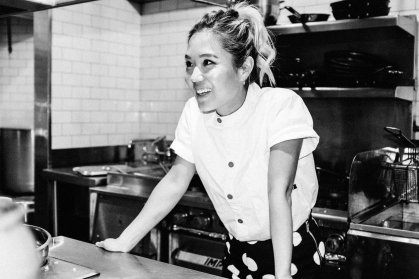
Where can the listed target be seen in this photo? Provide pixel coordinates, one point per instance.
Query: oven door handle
(221, 236)
(384, 237)
(197, 259)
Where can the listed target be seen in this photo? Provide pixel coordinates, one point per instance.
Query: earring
(244, 82)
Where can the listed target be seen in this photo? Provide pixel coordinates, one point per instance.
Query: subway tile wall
(117, 69)
(95, 74)
(16, 74)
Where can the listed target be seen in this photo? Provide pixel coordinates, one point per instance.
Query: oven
(383, 236)
(196, 238)
(331, 214)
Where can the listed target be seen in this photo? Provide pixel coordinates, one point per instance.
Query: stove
(383, 236)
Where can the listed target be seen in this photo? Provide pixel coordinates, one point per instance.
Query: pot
(42, 239)
(296, 17)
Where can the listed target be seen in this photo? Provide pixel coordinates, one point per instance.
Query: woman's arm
(282, 168)
(164, 197)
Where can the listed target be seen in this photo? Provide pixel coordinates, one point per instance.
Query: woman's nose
(196, 75)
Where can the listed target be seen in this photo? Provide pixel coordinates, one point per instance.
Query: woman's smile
(211, 75)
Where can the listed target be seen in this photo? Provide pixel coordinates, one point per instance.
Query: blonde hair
(241, 32)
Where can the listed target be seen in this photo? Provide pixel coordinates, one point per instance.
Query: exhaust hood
(14, 7)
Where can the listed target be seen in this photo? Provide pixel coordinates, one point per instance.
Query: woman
(252, 149)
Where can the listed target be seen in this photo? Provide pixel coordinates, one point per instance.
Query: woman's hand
(112, 244)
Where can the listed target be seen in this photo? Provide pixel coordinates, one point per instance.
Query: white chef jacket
(231, 156)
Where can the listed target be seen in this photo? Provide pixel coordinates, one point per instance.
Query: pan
(296, 17)
(359, 4)
(398, 133)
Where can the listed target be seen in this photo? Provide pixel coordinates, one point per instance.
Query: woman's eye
(208, 62)
(188, 64)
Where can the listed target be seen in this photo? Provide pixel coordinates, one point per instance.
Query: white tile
(72, 79)
(71, 104)
(90, 105)
(99, 140)
(107, 105)
(116, 139)
(99, 93)
(61, 142)
(71, 128)
(107, 128)
(80, 141)
(56, 130)
(61, 91)
(402, 5)
(80, 117)
(61, 116)
(62, 66)
(89, 129)
(72, 54)
(124, 128)
(99, 117)
(71, 29)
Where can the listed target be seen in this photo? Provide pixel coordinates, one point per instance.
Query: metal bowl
(42, 239)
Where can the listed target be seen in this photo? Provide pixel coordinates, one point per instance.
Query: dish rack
(406, 176)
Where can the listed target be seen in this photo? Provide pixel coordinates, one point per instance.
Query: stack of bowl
(351, 9)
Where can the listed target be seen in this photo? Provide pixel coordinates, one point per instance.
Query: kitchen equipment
(101, 170)
(353, 14)
(359, 9)
(383, 236)
(296, 17)
(268, 8)
(398, 134)
(351, 68)
(42, 240)
(359, 4)
(17, 160)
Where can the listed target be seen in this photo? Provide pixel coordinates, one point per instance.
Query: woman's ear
(246, 69)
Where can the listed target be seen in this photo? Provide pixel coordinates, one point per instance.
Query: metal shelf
(402, 92)
(405, 23)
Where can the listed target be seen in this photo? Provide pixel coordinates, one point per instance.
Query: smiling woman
(212, 77)
(252, 149)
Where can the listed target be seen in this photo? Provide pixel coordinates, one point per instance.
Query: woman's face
(210, 74)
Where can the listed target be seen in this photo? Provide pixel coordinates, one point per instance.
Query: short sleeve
(182, 144)
(290, 119)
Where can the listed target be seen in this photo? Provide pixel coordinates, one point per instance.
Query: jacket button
(240, 221)
(219, 120)
(231, 164)
(230, 196)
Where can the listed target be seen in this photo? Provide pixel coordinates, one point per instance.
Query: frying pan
(296, 17)
(357, 4)
(398, 133)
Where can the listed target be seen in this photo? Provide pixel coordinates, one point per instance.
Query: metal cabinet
(110, 215)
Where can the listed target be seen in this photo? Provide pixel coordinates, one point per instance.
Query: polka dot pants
(255, 260)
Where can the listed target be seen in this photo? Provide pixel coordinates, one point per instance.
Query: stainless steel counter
(117, 265)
